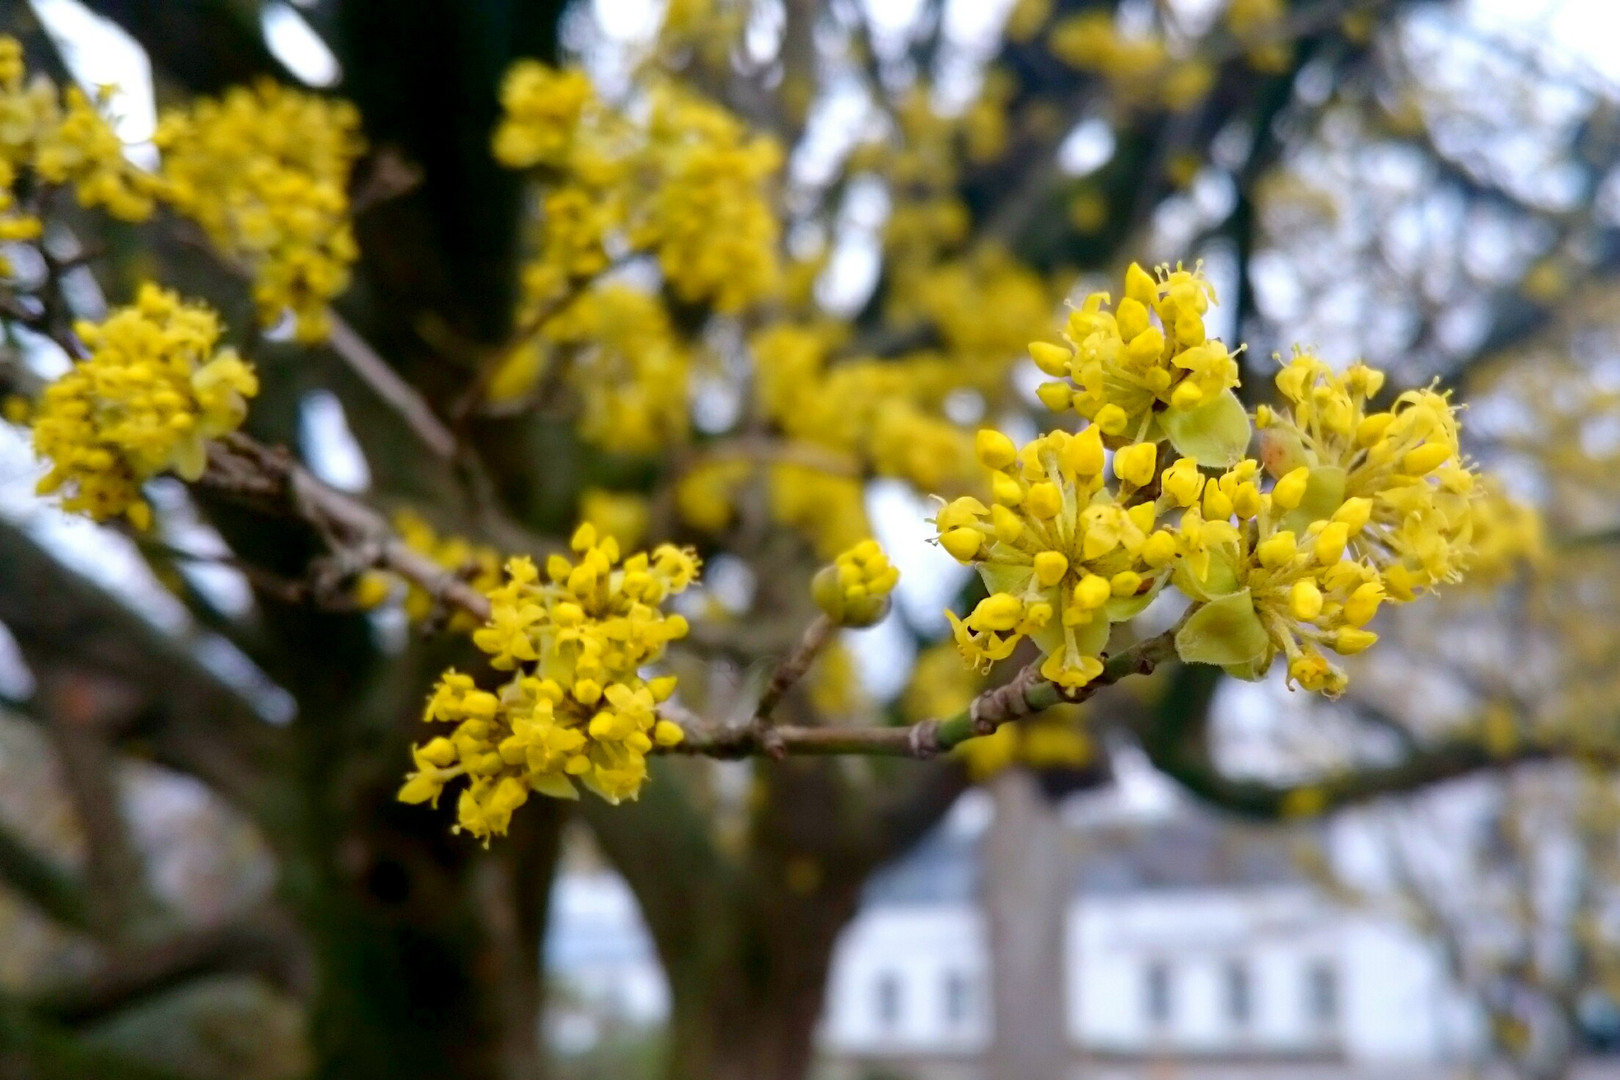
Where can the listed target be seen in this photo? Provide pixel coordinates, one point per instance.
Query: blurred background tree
(1389, 180)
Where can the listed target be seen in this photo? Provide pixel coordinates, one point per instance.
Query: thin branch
(1026, 693)
(793, 667)
(266, 944)
(42, 882)
(386, 383)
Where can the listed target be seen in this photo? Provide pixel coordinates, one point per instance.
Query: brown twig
(386, 383)
(793, 667)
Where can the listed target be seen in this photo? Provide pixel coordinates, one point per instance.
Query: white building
(1188, 940)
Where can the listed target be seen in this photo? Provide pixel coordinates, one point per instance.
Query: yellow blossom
(151, 393)
(1050, 550)
(60, 138)
(854, 590)
(576, 706)
(1147, 370)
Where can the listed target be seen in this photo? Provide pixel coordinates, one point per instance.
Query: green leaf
(1216, 432)
(1226, 632)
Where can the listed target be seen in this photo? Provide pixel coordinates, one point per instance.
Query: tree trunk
(1023, 895)
(746, 1005)
(428, 959)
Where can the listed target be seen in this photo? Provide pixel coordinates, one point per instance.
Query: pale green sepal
(555, 785)
(1225, 632)
(1215, 432)
(1120, 608)
(1324, 493)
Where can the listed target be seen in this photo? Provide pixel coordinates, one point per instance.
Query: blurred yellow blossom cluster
(265, 170)
(1054, 739)
(49, 138)
(576, 639)
(682, 182)
(152, 390)
(1140, 67)
(1260, 25)
(477, 564)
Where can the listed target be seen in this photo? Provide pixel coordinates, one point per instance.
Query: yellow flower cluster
(1368, 507)
(52, 138)
(576, 640)
(1404, 462)
(477, 564)
(1140, 68)
(1147, 370)
(687, 183)
(854, 590)
(152, 391)
(1064, 557)
(1348, 508)
(265, 170)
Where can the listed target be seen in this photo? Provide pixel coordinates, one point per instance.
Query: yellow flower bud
(1182, 481)
(1005, 490)
(1043, 501)
(963, 543)
(1331, 541)
(1305, 600)
(1159, 550)
(1362, 605)
(1135, 464)
(1084, 453)
(1354, 514)
(1050, 566)
(1371, 429)
(999, 612)
(1055, 395)
(1349, 640)
(1126, 583)
(1277, 550)
(1092, 592)
(1008, 525)
(1052, 359)
(1186, 395)
(1425, 459)
(994, 450)
(1290, 490)
(1111, 419)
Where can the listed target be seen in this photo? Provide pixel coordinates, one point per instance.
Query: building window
(956, 999)
(888, 1001)
(1322, 993)
(1158, 993)
(1239, 994)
